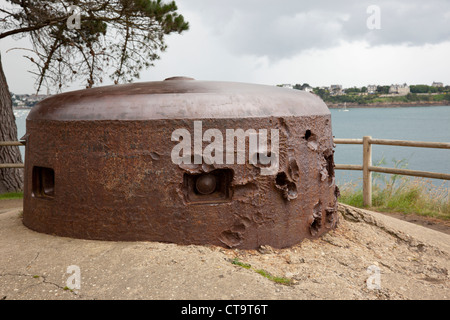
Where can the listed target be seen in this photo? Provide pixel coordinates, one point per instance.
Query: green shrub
(396, 193)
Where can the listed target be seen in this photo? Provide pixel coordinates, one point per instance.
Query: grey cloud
(404, 22)
(281, 29)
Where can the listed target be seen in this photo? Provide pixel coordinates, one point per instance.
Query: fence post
(367, 174)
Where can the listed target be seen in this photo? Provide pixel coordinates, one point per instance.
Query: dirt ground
(369, 256)
(428, 222)
(7, 204)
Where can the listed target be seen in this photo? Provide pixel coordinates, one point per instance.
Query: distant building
(371, 89)
(336, 89)
(289, 86)
(437, 84)
(400, 89)
(26, 100)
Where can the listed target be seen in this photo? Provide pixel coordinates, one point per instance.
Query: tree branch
(7, 12)
(31, 28)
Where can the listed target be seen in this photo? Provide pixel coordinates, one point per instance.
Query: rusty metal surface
(94, 171)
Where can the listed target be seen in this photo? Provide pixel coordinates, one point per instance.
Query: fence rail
(11, 144)
(367, 168)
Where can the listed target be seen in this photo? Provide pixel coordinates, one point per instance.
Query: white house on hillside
(400, 89)
(372, 89)
(336, 89)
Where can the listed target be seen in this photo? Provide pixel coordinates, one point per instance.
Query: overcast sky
(292, 41)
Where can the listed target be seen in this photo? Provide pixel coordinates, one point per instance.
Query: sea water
(405, 123)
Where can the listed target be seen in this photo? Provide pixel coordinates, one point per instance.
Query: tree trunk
(11, 179)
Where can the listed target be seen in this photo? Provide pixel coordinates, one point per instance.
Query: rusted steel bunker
(144, 162)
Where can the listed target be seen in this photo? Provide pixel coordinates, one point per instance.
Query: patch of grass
(280, 280)
(396, 193)
(241, 264)
(264, 273)
(351, 195)
(11, 195)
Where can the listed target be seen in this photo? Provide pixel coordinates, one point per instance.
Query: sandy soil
(8, 204)
(428, 222)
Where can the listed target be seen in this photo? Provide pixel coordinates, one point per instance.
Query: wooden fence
(367, 168)
(11, 144)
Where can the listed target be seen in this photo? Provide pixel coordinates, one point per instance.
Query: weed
(241, 264)
(397, 193)
(280, 280)
(264, 273)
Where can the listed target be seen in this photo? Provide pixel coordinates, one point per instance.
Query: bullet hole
(230, 238)
(288, 188)
(327, 166)
(292, 191)
(316, 223)
(154, 155)
(337, 192)
(330, 165)
(308, 135)
(293, 169)
(330, 220)
(315, 226)
(281, 179)
(311, 138)
(258, 218)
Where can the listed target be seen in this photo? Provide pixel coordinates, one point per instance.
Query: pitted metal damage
(113, 177)
(285, 181)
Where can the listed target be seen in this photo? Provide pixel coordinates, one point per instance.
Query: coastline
(356, 105)
(389, 104)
